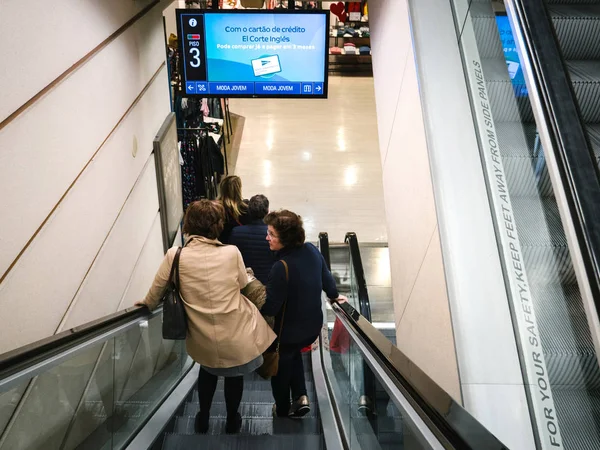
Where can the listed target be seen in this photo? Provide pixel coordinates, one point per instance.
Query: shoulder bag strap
(174, 275)
(287, 280)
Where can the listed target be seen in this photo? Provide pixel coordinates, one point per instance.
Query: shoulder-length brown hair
(204, 218)
(230, 194)
(289, 227)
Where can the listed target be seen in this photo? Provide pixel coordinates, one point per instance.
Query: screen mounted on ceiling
(240, 53)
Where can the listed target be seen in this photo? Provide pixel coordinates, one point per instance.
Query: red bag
(340, 338)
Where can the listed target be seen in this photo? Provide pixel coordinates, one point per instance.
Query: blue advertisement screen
(513, 63)
(262, 54)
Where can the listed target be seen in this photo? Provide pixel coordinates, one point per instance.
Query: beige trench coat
(224, 328)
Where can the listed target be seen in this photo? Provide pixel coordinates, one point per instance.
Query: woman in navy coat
(308, 277)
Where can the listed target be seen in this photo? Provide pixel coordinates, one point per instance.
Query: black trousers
(289, 383)
(207, 384)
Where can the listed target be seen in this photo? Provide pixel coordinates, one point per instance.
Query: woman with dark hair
(236, 208)
(226, 333)
(300, 290)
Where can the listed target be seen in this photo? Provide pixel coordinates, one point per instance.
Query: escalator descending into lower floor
(116, 384)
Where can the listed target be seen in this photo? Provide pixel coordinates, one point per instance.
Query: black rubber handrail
(19, 359)
(324, 247)
(570, 143)
(447, 419)
(359, 273)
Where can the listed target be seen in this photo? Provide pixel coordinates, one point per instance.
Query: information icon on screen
(193, 22)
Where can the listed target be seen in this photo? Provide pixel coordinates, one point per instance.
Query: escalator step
(255, 377)
(262, 396)
(247, 410)
(585, 77)
(237, 442)
(577, 28)
(262, 385)
(254, 427)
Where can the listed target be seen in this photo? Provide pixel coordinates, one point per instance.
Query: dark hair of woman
(204, 218)
(288, 226)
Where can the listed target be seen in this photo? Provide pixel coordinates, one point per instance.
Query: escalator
(115, 383)
(536, 102)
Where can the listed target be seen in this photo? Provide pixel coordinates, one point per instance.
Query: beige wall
(423, 324)
(80, 234)
(79, 198)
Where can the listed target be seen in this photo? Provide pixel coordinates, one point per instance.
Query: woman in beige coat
(226, 333)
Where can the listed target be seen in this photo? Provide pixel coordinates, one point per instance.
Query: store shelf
(351, 37)
(352, 56)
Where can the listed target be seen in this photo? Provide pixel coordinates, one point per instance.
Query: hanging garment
(204, 107)
(188, 170)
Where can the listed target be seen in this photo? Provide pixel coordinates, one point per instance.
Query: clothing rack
(224, 144)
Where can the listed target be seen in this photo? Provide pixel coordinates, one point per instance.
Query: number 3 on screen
(195, 62)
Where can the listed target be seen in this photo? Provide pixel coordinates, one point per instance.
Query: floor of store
(318, 158)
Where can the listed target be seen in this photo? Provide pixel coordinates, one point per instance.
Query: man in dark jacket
(251, 239)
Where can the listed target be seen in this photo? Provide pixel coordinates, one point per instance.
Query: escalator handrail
(570, 145)
(26, 356)
(448, 419)
(359, 273)
(324, 247)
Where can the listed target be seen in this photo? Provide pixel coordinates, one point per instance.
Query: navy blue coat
(308, 277)
(251, 240)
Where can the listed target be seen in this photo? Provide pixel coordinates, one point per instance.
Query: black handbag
(174, 326)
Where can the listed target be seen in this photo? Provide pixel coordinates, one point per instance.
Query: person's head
(285, 230)
(230, 193)
(258, 207)
(204, 218)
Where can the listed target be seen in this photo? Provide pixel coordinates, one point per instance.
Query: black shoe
(234, 425)
(300, 407)
(201, 424)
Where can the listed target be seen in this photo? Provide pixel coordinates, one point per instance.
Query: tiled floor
(319, 158)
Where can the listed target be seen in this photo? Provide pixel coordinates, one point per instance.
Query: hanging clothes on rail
(203, 162)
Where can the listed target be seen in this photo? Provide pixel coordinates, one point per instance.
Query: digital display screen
(241, 53)
(513, 63)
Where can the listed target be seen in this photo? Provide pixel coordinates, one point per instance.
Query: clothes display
(349, 48)
(200, 142)
(203, 163)
(349, 38)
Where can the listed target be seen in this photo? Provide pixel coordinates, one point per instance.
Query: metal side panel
(488, 361)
